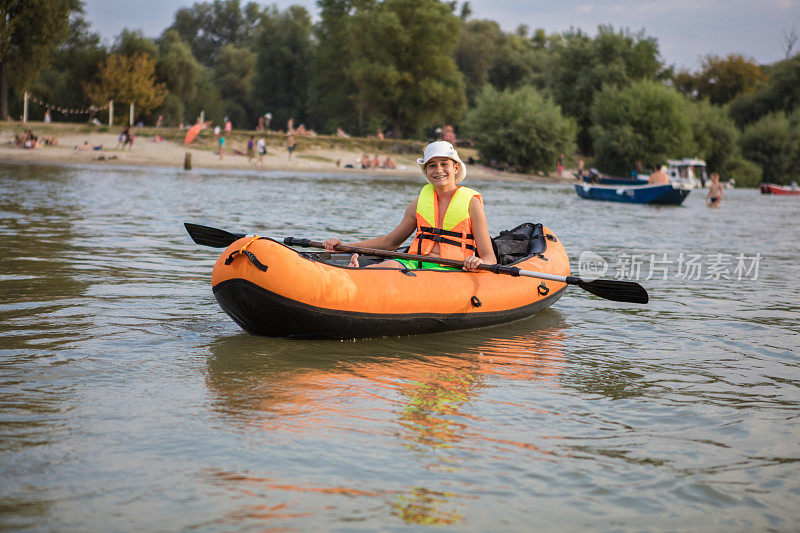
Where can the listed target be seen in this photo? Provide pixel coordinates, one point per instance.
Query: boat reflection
(425, 387)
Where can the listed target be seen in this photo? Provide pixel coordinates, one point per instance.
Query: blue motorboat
(666, 194)
(593, 176)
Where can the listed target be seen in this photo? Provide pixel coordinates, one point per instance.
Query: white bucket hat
(442, 149)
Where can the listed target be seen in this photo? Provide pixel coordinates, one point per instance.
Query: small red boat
(771, 188)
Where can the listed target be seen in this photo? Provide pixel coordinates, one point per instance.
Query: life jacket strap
(439, 238)
(438, 231)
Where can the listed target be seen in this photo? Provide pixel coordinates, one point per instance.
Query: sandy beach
(317, 154)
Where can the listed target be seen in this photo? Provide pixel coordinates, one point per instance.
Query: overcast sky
(686, 30)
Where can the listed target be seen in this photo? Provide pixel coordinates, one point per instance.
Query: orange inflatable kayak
(271, 289)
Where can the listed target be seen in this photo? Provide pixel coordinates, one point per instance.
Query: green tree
(773, 143)
(745, 173)
(749, 107)
(403, 64)
(29, 31)
(781, 92)
(77, 59)
(685, 82)
(330, 93)
(208, 101)
(585, 65)
(183, 75)
(234, 71)
(521, 128)
(130, 80)
(722, 79)
(476, 53)
(645, 122)
(715, 134)
(284, 48)
(132, 42)
(487, 55)
(208, 26)
(515, 62)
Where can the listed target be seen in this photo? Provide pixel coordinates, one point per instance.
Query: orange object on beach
(192, 133)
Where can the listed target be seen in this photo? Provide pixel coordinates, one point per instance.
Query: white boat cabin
(690, 173)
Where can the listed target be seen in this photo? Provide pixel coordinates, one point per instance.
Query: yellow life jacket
(455, 234)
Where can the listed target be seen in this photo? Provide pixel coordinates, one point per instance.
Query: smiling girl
(449, 219)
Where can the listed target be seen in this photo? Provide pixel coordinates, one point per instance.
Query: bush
(749, 107)
(773, 143)
(645, 122)
(780, 93)
(745, 173)
(715, 135)
(520, 128)
(172, 110)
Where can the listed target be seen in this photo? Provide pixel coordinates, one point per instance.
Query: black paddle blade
(618, 291)
(206, 236)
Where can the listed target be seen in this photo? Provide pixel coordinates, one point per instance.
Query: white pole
(130, 122)
(110, 113)
(25, 108)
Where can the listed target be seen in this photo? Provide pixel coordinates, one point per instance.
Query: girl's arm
(481, 233)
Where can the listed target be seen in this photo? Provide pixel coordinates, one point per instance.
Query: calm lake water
(130, 401)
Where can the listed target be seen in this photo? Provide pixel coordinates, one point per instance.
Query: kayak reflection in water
(449, 219)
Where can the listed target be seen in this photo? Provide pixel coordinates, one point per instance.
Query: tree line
(404, 67)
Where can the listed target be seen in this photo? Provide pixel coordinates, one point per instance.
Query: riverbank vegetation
(402, 69)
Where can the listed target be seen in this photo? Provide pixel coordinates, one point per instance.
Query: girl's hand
(471, 263)
(330, 243)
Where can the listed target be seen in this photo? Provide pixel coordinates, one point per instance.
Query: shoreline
(78, 148)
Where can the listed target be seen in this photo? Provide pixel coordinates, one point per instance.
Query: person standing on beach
(251, 146)
(221, 145)
(714, 196)
(261, 148)
(123, 138)
(560, 165)
(290, 144)
(129, 136)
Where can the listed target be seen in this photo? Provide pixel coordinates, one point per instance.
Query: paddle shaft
(497, 269)
(615, 290)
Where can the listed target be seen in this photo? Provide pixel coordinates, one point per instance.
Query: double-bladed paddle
(618, 291)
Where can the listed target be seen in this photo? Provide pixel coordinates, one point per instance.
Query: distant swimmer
(714, 197)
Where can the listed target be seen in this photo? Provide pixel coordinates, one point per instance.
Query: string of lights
(68, 110)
